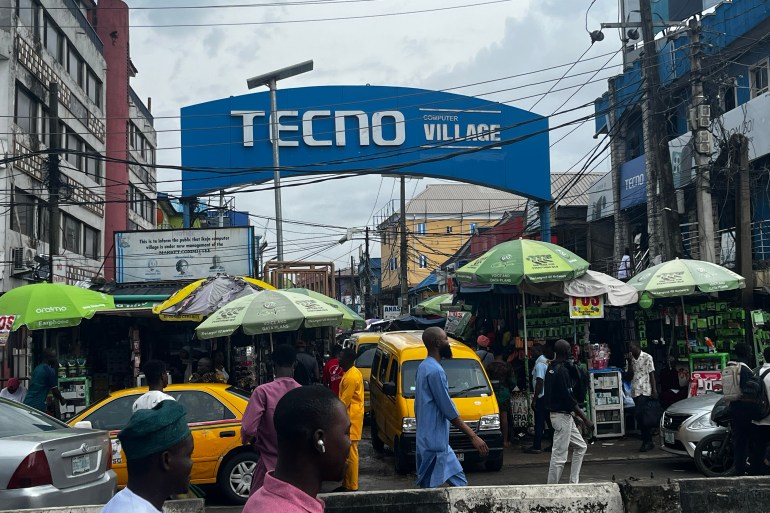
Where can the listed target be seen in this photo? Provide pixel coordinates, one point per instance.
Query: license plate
(668, 437)
(460, 456)
(81, 464)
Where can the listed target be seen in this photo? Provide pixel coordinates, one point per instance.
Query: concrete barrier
(725, 495)
(178, 506)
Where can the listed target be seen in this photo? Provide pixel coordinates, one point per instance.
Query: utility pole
(54, 179)
(617, 157)
(368, 278)
(352, 286)
(739, 148)
(665, 241)
(403, 253)
(700, 119)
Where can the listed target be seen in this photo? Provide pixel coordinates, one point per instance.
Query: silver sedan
(45, 463)
(687, 422)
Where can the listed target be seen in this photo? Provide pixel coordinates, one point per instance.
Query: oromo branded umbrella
(684, 277)
(52, 305)
(350, 319)
(268, 311)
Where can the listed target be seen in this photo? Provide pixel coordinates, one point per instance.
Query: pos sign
(586, 307)
(6, 323)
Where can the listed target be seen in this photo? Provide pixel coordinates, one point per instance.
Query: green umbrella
(432, 305)
(52, 305)
(515, 261)
(684, 277)
(350, 319)
(268, 311)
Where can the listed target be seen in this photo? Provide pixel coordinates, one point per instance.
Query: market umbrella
(268, 311)
(677, 278)
(201, 298)
(52, 305)
(592, 283)
(350, 319)
(432, 305)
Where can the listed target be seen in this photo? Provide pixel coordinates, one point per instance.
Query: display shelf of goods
(607, 403)
(551, 321)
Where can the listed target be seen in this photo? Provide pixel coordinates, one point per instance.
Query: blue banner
(633, 183)
(365, 129)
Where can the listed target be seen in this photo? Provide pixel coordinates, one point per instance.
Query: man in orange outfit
(352, 396)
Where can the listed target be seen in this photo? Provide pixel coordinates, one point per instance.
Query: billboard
(633, 183)
(167, 255)
(600, 200)
(365, 129)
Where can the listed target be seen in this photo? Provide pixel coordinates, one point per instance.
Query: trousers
(565, 433)
(540, 415)
(350, 481)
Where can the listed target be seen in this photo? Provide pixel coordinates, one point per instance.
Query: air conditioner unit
(704, 116)
(704, 148)
(17, 257)
(703, 136)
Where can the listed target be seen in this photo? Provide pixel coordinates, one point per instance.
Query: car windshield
(364, 348)
(365, 358)
(21, 420)
(464, 376)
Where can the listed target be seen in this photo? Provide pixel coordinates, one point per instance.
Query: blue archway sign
(365, 129)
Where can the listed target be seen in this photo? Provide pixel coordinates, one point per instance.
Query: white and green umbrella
(684, 277)
(515, 261)
(269, 311)
(350, 319)
(432, 305)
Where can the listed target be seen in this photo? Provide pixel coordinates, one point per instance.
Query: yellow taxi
(214, 413)
(364, 345)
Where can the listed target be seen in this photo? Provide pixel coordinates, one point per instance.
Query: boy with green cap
(158, 448)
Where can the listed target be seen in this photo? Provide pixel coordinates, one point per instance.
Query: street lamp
(270, 80)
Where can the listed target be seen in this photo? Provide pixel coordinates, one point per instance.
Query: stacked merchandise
(245, 368)
(551, 321)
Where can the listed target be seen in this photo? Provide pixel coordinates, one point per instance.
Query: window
(27, 13)
(54, 40)
(366, 357)
(421, 229)
(472, 228)
(393, 263)
(71, 230)
(422, 261)
(449, 229)
(729, 101)
(384, 367)
(758, 78)
(23, 217)
(464, 376)
(93, 164)
(42, 220)
(140, 203)
(376, 362)
(91, 242)
(26, 111)
(75, 65)
(113, 415)
(74, 146)
(19, 421)
(94, 88)
(393, 375)
(201, 407)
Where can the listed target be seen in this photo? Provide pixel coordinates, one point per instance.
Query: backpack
(731, 381)
(755, 395)
(580, 381)
(301, 374)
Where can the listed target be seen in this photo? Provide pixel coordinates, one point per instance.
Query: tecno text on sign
(634, 181)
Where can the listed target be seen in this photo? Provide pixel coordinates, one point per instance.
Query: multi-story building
(105, 135)
(43, 42)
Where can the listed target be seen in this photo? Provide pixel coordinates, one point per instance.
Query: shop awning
(430, 281)
(138, 299)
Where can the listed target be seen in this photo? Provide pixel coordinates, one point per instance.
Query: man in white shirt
(760, 436)
(157, 380)
(14, 391)
(643, 388)
(624, 269)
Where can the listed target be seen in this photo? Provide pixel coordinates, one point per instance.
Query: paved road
(376, 471)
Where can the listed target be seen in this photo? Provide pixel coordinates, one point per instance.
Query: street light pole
(270, 80)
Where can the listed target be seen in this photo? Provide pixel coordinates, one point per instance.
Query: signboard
(365, 129)
(633, 183)
(600, 200)
(682, 160)
(6, 323)
(160, 255)
(586, 307)
(391, 312)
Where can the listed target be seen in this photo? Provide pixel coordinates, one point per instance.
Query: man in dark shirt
(44, 380)
(740, 421)
(560, 403)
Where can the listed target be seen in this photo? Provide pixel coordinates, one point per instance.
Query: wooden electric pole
(404, 270)
(739, 149)
(368, 280)
(54, 179)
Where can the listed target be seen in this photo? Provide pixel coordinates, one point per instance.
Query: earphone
(321, 446)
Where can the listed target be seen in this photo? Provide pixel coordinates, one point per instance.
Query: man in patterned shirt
(643, 389)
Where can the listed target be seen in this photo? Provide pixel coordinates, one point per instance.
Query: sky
(207, 49)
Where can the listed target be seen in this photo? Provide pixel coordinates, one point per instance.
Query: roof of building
(576, 194)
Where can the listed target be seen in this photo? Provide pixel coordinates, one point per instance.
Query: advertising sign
(682, 161)
(159, 255)
(633, 183)
(391, 312)
(586, 307)
(6, 323)
(600, 201)
(365, 129)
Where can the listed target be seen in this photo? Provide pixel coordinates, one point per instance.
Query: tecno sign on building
(365, 129)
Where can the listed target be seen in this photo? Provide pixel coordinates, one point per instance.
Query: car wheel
(377, 443)
(714, 456)
(494, 464)
(401, 461)
(235, 477)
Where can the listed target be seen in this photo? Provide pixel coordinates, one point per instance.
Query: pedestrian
(758, 456)
(483, 352)
(205, 373)
(624, 269)
(219, 364)
(740, 421)
(352, 396)
(313, 444)
(157, 379)
(670, 389)
(332, 372)
(561, 404)
(538, 397)
(257, 426)
(434, 410)
(643, 389)
(14, 391)
(158, 447)
(308, 373)
(501, 374)
(44, 380)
